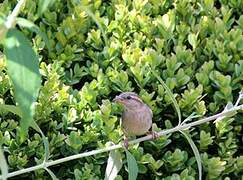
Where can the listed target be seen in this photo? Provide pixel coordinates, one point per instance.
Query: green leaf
(213, 166)
(74, 140)
(192, 38)
(132, 166)
(239, 163)
(31, 26)
(114, 165)
(196, 153)
(3, 30)
(43, 5)
(23, 69)
(205, 140)
(96, 20)
(11, 108)
(3, 165)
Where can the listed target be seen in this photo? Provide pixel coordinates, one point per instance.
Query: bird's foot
(154, 135)
(125, 143)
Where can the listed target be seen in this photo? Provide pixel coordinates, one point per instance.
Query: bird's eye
(128, 97)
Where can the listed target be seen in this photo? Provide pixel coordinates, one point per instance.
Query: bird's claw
(125, 143)
(154, 135)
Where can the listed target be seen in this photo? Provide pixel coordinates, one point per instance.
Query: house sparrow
(136, 117)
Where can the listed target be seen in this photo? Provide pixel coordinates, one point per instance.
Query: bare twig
(10, 23)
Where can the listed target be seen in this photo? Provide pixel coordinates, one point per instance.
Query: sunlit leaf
(114, 164)
(23, 69)
(192, 38)
(43, 5)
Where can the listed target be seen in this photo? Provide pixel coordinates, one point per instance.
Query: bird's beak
(117, 99)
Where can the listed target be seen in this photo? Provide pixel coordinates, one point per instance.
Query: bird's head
(129, 100)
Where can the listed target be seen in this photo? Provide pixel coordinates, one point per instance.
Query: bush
(101, 48)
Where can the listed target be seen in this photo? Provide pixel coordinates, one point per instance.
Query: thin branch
(10, 23)
(113, 147)
(239, 98)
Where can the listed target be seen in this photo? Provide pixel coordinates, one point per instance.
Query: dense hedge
(195, 46)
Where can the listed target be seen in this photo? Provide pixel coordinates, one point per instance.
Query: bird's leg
(125, 142)
(125, 137)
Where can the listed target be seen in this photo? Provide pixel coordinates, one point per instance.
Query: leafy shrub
(195, 47)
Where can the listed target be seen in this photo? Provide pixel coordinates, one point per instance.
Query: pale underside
(137, 122)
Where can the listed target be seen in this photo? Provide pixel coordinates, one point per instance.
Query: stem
(12, 17)
(113, 147)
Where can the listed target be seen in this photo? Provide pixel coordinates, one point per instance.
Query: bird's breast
(137, 122)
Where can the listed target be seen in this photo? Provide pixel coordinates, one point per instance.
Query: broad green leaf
(31, 26)
(196, 153)
(3, 165)
(23, 69)
(11, 108)
(114, 165)
(132, 166)
(43, 5)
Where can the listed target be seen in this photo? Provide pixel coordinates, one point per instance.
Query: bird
(136, 117)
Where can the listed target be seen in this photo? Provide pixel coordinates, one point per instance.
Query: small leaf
(114, 164)
(3, 30)
(96, 20)
(31, 26)
(23, 69)
(132, 166)
(205, 140)
(3, 165)
(43, 5)
(11, 108)
(192, 38)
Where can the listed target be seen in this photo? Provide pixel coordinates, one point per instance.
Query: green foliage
(175, 161)
(213, 166)
(205, 140)
(89, 51)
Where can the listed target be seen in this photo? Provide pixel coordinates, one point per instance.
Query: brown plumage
(136, 117)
